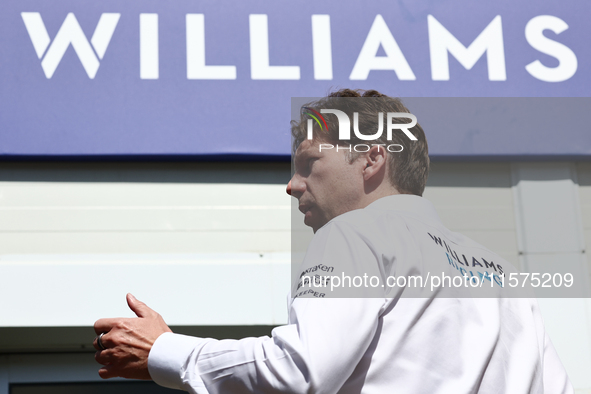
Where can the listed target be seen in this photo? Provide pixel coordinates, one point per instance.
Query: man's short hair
(408, 169)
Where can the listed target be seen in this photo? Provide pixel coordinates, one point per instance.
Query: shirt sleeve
(169, 362)
(316, 353)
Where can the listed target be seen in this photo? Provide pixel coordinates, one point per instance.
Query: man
(362, 199)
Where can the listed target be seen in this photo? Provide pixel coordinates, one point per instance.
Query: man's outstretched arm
(316, 353)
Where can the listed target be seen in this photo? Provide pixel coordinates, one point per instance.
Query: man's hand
(128, 341)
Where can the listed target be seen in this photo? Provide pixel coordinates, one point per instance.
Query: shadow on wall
(498, 174)
(443, 174)
(146, 172)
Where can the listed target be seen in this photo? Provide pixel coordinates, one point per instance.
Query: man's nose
(296, 186)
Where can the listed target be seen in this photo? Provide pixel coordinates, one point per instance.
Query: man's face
(325, 183)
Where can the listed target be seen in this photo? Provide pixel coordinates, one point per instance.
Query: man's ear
(375, 161)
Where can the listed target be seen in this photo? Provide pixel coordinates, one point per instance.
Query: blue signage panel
(161, 78)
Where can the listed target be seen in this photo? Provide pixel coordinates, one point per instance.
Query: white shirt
(391, 339)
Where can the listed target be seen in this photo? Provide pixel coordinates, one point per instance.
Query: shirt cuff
(170, 361)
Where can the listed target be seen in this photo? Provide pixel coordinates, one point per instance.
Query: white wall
(202, 248)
